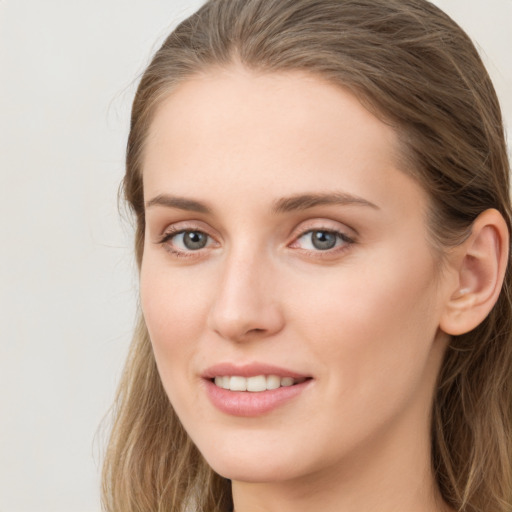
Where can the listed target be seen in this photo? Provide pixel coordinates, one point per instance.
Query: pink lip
(246, 403)
(249, 370)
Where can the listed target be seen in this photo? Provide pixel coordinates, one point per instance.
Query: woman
(323, 219)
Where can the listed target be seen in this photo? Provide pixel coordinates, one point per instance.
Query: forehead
(260, 133)
(224, 101)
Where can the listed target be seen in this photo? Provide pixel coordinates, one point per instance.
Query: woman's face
(284, 246)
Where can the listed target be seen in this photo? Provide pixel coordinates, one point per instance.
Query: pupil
(194, 240)
(323, 240)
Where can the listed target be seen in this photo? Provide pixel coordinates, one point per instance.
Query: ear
(480, 263)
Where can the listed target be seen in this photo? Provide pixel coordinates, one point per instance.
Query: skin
(362, 319)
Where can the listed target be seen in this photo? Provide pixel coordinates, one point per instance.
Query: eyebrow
(286, 204)
(181, 203)
(305, 201)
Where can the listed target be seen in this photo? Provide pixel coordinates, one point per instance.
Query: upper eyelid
(189, 225)
(324, 225)
(168, 234)
(340, 234)
(325, 230)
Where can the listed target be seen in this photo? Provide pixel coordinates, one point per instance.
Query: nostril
(244, 319)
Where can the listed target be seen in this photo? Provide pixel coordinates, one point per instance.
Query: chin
(254, 466)
(251, 473)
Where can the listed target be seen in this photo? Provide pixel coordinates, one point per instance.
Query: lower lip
(247, 403)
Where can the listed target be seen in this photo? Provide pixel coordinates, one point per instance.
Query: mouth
(253, 389)
(255, 384)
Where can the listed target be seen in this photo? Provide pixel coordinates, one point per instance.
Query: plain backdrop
(68, 285)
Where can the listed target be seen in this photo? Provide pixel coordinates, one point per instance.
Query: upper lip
(249, 370)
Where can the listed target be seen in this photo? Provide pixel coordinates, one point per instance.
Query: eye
(322, 240)
(185, 241)
(191, 240)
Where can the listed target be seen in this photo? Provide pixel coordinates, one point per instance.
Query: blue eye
(322, 240)
(194, 240)
(187, 240)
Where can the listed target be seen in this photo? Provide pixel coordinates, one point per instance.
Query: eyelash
(345, 240)
(336, 250)
(172, 233)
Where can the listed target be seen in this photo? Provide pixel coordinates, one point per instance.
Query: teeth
(258, 383)
(273, 382)
(238, 384)
(222, 382)
(254, 384)
(287, 381)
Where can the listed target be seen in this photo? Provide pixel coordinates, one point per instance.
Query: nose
(245, 306)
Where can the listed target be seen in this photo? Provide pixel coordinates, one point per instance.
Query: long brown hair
(412, 66)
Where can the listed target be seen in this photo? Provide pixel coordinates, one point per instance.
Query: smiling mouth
(256, 384)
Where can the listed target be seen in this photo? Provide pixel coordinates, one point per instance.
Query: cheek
(372, 295)
(373, 324)
(173, 318)
(175, 315)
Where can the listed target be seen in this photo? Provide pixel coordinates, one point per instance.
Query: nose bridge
(244, 304)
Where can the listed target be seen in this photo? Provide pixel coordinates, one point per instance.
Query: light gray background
(67, 279)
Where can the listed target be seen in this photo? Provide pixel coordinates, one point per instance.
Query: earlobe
(480, 263)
